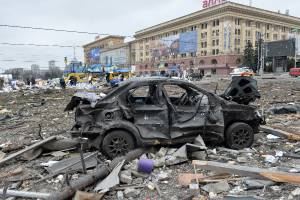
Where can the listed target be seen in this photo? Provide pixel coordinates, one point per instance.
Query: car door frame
(152, 121)
(179, 129)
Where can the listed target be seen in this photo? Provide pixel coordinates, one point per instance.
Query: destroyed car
(162, 111)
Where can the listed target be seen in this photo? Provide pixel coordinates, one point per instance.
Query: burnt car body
(161, 111)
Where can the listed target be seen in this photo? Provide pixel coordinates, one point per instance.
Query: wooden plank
(38, 144)
(280, 133)
(254, 172)
(282, 178)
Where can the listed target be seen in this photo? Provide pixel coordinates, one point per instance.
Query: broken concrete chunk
(159, 162)
(217, 188)
(138, 181)
(242, 159)
(120, 195)
(193, 186)
(131, 193)
(162, 152)
(125, 177)
(32, 154)
(2, 155)
(231, 151)
(162, 176)
(139, 174)
(296, 192)
(257, 184)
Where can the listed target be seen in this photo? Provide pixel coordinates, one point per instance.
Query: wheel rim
(241, 138)
(118, 145)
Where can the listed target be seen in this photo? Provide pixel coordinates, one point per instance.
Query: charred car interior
(162, 111)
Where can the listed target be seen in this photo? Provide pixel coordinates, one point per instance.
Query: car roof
(154, 79)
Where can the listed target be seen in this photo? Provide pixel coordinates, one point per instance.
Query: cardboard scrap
(187, 178)
(88, 196)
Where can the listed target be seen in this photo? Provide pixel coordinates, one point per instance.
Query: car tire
(239, 136)
(117, 143)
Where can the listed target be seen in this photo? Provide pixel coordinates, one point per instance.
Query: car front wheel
(239, 136)
(117, 143)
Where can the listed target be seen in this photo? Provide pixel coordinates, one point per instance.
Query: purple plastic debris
(145, 165)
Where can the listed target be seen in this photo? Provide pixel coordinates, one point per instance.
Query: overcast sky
(120, 17)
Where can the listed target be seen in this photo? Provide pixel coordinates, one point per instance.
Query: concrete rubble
(31, 116)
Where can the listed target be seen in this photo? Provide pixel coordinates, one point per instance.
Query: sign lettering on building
(210, 3)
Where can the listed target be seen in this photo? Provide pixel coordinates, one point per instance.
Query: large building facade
(211, 40)
(92, 50)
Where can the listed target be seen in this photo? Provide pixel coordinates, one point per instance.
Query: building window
(193, 28)
(202, 62)
(204, 35)
(275, 37)
(213, 52)
(248, 33)
(217, 32)
(141, 54)
(268, 35)
(237, 31)
(216, 23)
(268, 26)
(217, 42)
(175, 32)
(237, 21)
(257, 25)
(183, 30)
(193, 54)
(204, 26)
(276, 28)
(147, 53)
(248, 23)
(283, 37)
(167, 34)
(213, 43)
(214, 71)
(183, 55)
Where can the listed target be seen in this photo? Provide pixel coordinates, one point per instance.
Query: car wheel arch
(127, 127)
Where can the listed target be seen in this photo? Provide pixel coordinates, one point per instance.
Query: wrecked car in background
(162, 111)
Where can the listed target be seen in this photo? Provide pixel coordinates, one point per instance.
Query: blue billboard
(188, 42)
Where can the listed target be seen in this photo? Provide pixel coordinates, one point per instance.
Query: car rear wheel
(239, 136)
(117, 143)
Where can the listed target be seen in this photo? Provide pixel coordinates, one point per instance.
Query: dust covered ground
(28, 115)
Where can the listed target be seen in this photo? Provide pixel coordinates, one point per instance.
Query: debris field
(39, 160)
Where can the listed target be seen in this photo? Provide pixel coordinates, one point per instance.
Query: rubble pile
(37, 154)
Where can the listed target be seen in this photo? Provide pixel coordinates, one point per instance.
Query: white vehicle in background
(243, 71)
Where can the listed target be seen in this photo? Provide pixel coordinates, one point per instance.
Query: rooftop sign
(210, 3)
